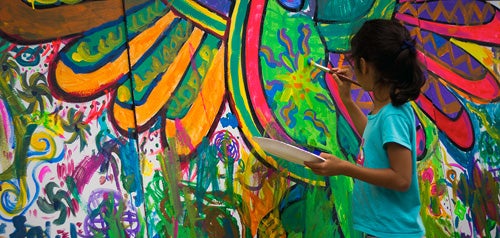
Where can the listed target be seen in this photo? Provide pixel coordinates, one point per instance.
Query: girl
(386, 200)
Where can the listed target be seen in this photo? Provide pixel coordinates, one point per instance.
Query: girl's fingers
(323, 155)
(313, 164)
(346, 70)
(339, 81)
(340, 72)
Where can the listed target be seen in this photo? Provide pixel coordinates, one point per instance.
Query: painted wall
(136, 118)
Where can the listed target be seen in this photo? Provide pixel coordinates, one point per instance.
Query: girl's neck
(381, 97)
(377, 105)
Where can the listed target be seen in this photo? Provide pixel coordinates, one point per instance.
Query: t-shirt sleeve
(396, 128)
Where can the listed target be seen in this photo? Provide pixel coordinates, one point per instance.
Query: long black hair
(387, 44)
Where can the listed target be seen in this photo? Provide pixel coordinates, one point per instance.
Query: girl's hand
(344, 86)
(330, 167)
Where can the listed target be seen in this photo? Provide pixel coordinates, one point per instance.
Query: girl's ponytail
(407, 74)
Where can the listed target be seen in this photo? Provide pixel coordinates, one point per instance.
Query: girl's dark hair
(387, 44)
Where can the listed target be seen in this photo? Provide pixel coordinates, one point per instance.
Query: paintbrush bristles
(323, 68)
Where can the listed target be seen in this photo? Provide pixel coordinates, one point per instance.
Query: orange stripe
(87, 84)
(146, 39)
(167, 84)
(162, 92)
(124, 118)
(200, 117)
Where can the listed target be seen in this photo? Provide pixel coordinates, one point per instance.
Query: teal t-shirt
(379, 211)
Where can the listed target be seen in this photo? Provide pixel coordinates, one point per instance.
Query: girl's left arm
(400, 160)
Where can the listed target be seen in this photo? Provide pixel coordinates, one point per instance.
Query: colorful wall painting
(135, 118)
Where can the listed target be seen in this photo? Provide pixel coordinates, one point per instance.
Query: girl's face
(364, 72)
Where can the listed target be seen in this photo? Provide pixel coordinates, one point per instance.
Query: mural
(135, 118)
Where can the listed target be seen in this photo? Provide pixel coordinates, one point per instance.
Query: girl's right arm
(358, 117)
(396, 177)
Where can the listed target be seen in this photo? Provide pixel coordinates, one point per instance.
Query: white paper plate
(286, 151)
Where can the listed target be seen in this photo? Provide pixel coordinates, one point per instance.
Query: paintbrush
(331, 71)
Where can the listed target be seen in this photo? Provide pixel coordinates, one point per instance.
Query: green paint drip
(318, 210)
(206, 163)
(113, 216)
(192, 215)
(155, 196)
(229, 165)
(460, 210)
(307, 212)
(171, 173)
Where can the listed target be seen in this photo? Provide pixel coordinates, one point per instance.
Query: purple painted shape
(220, 6)
(466, 65)
(89, 165)
(365, 98)
(458, 17)
(431, 48)
(86, 169)
(96, 224)
(445, 94)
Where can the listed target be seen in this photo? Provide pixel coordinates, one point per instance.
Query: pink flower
(428, 175)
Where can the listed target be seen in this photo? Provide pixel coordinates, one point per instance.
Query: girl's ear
(366, 68)
(363, 67)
